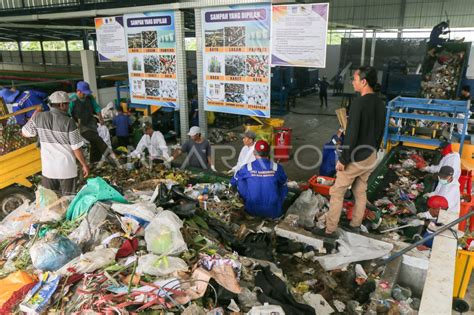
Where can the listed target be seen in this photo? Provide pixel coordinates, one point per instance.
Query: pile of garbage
(11, 138)
(442, 80)
(401, 195)
(217, 135)
(169, 243)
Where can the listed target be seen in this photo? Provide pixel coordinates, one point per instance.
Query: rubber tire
(17, 196)
(461, 306)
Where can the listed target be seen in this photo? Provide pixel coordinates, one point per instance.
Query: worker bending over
(262, 184)
(198, 151)
(154, 142)
(83, 108)
(449, 158)
(246, 153)
(61, 144)
(448, 187)
(435, 204)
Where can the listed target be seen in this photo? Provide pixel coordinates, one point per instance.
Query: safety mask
(443, 181)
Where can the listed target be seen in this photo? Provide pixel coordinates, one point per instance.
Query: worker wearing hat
(246, 153)
(448, 187)
(449, 158)
(82, 109)
(435, 204)
(198, 151)
(61, 144)
(154, 142)
(262, 184)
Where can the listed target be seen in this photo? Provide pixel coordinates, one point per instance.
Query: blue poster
(151, 58)
(236, 57)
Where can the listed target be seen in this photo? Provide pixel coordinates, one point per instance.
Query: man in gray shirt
(198, 151)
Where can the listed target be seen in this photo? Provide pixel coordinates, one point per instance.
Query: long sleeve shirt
(364, 129)
(452, 159)
(262, 185)
(246, 156)
(451, 193)
(155, 144)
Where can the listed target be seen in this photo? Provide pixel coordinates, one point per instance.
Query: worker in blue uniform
(262, 184)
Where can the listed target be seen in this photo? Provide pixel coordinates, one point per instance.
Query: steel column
(372, 50)
(200, 72)
(362, 53)
(181, 75)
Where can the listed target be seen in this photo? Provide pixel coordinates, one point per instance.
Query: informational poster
(237, 59)
(151, 46)
(111, 43)
(299, 35)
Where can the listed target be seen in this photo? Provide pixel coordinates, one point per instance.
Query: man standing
(198, 150)
(359, 153)
(61, 144)
(154, 142)
(122, 124)
(262, 184)
(82, 109)
(246, 154)
(323, 91)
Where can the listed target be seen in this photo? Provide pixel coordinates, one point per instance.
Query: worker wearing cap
(246, 154)
(448, 187)
(198, 151)
(154, 142)
(449, 158)
(61, 144)
(262, 184)
(435, 205)
(82, 109)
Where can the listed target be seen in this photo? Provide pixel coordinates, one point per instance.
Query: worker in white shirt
(246, 154)
(449, 158)
(448, 187)
(154, 142)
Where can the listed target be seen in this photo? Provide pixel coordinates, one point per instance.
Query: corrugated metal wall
(402, 13)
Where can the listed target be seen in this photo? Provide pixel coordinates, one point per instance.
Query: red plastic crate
(321, 189)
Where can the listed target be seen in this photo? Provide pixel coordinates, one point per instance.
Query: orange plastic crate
(319, 188)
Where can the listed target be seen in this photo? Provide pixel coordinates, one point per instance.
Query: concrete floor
(311, 125)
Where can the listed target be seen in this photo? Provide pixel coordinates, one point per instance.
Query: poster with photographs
(237, 59)
(151, 47)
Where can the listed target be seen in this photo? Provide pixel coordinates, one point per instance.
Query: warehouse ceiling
(64, 29)
(43, 20)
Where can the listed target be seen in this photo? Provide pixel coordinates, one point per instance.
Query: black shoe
(351, 229)
(322, 232)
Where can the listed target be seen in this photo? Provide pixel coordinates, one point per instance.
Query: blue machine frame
(402, 107)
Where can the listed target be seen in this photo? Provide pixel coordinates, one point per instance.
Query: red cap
(436, 202)
(446, 149)
(261, 146)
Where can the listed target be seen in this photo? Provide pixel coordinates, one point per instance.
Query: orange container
(466, 207)
(319, 188)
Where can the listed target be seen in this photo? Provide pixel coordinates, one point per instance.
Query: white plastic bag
(352, 248)
(163, 235)
(142, 210)
(306, 207)
(53, 252)
(88, 234)
(18, 221)
(55, 212)
(160, 266)
(89, 262)
(45, 197)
